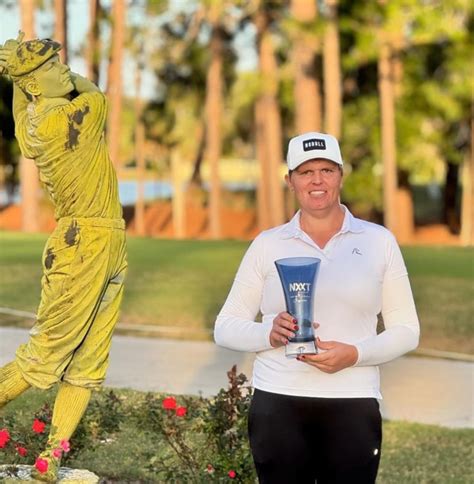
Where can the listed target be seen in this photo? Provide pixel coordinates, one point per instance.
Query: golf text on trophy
(298, 277)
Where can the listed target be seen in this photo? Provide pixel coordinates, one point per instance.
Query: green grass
(411, 453)
(184, 283)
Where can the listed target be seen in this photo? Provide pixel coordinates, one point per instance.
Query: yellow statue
(59, 123)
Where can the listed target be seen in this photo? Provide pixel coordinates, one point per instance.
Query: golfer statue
(59, 123)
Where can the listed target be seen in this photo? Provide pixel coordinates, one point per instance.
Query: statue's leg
(87, 368)
(69, 407)
(12, 383)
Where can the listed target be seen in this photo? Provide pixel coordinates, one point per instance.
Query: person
(59, 123)
(316, 417)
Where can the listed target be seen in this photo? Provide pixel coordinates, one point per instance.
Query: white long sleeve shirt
(362, 274)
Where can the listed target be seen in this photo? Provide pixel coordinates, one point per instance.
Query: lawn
(183, 284)
(411, 453)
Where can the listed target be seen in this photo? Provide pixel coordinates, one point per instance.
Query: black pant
(302, 440)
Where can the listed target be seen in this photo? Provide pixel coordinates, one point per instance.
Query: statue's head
(35, 67)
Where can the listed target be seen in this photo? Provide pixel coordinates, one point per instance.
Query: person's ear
(288, 182)
(32, 88)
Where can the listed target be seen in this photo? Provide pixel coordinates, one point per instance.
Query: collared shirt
(361, 274)
(66, 140)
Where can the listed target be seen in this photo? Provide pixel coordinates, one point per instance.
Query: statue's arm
(20, 103)
(81, 84)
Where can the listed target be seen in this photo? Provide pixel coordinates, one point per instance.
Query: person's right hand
(283, 329)
(8, 47)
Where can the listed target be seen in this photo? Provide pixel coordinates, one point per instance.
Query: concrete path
(425, 390)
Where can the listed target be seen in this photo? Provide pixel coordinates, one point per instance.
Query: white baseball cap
(311, 146)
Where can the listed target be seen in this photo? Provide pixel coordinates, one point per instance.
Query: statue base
(18, 472)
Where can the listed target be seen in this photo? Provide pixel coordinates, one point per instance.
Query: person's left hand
(336, 356)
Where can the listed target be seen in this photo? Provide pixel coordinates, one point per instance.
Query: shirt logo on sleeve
(355, 250)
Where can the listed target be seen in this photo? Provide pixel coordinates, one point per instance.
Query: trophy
(298, 277)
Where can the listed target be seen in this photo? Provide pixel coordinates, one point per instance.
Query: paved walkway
(425, 390)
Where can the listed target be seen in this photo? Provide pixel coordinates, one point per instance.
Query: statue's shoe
(51, 473)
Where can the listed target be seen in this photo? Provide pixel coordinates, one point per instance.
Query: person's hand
(6, 49)
(283, 329)
(336, 356)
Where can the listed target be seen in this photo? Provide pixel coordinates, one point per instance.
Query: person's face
(53, 79)
(317, 185)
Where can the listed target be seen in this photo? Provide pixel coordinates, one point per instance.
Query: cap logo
(314, 144)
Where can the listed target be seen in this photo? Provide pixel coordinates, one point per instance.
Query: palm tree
(139, 153)
(263, 188)
(270, 116)
(307, 90)
(332, 72)
(114, 80)
(214, 114)
(387, 109)
(93, 41)
(467, 210)
(29, 180)
(60, 27)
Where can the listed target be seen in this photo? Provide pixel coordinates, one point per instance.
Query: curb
(202, 333)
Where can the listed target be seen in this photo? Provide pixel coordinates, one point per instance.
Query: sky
(78, 24)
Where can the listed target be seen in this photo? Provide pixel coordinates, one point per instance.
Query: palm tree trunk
(93, 42)
(114, 81)
(307, 90)
(213, 119)
(271, 117)
(332, 73)
(467, 203)
(387, 108)
(29, 180)
(263, 188)
(60, 27)
(139, 156)
(178, 201)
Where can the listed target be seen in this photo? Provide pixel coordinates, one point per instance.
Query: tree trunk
(467, 204)
(60, 27)
(271, 118)
(196, 178)
(387, 115)
(332, 73)
(179, 199)
(139, 156)
(93, 37)
(114, 81)
(263, 187)
(450, 213)
(29, 180)
(213, 119)
(307, 86)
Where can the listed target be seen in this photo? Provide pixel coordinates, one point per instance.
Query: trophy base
(292, 350)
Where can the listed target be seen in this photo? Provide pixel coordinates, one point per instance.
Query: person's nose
(317, 177)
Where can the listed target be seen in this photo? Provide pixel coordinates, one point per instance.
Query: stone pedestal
(11, 474)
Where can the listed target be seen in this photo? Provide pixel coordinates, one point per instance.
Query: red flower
(64, 444)
(169, 403)
(41, 465)
(210, 469)
(38, 426)
(232, 474)
(22, 451)
(4, 438)
(181, 411)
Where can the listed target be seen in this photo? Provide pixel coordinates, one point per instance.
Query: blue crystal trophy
(298, 277)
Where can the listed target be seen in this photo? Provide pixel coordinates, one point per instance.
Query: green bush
(182, 439)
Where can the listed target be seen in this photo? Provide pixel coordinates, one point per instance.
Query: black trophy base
(294, 348)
